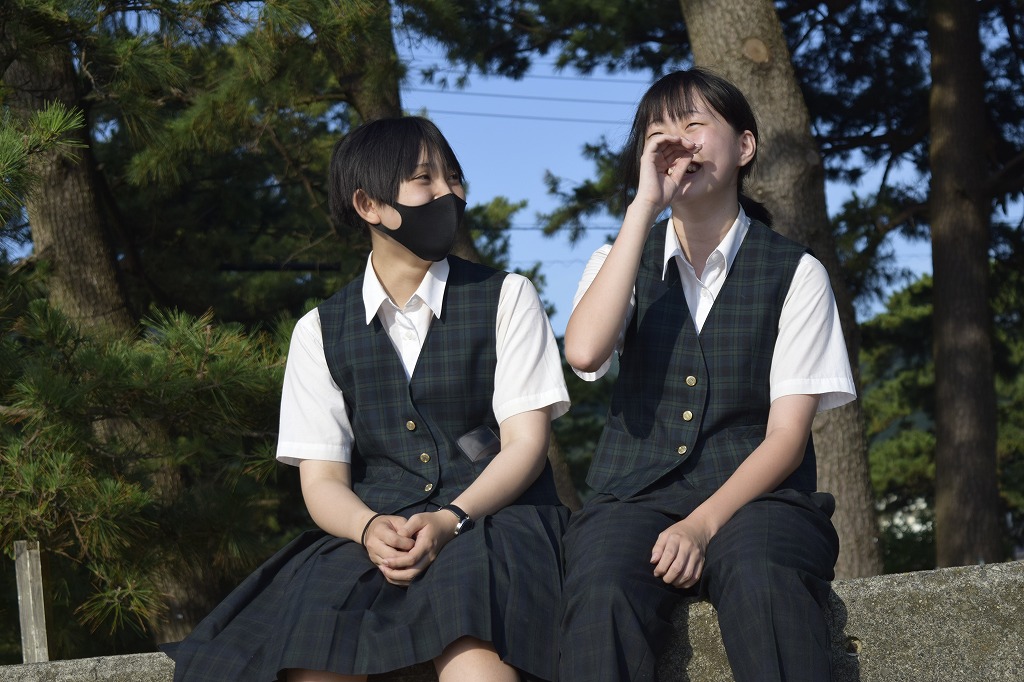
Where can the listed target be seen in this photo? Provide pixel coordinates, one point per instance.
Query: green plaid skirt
(321, 604)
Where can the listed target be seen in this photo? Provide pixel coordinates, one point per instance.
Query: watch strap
(465, 521)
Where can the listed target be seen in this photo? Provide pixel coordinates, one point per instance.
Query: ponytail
(755, 210)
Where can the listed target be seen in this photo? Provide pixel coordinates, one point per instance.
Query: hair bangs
(378, 156)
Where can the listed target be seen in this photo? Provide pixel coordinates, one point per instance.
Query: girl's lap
(320, 603)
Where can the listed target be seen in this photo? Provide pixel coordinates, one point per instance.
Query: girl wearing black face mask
(417, 406)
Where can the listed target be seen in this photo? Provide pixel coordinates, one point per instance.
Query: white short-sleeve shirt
(528, 376)
(810, 352)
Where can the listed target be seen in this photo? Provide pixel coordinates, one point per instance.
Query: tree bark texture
(360, 49)
(71, 233)
(966, 492)
(69, 230)
(743, 41)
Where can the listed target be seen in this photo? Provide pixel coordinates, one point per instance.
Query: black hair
(677, 95)
(377, 156)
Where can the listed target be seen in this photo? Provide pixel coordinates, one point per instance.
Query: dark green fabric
(396, 422)
(729, 362)
(320, 602)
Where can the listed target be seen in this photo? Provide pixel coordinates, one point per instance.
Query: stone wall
(948, 625)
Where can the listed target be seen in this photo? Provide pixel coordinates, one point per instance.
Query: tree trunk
(69, 231)
(966, 493)
(366, 65)
(743, 40)
(567, 492)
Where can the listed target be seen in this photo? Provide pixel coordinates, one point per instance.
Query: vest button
(410, 425)
(687, 416)
(681, 449)
(691, 380)
(424, 458)
(428, 487)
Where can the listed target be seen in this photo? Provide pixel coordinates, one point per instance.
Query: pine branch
(45, 131)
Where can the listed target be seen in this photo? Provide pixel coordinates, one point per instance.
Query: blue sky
(508, 133)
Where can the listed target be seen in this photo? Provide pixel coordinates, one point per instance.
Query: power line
(538, 228)
(557, 77)
(526, 262)
(553, 119)
(524, 97)
(589, 79)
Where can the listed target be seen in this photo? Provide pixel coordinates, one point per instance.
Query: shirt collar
(430, 290)
(728, 247)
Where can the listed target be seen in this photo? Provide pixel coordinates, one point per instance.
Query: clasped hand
(403, 548)
(678, 555)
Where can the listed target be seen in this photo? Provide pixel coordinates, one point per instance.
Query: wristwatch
(465, 523)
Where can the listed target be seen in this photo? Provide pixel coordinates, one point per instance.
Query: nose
(440, 188)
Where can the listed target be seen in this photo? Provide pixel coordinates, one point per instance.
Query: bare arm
(334, 506)
(524, 449)
(678, 554)
(595, 323)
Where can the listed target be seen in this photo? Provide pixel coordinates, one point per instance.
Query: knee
(750, 576)
(600, 579)
(741, 568)
(596, 578)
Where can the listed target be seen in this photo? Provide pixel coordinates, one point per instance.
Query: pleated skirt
(321, 604)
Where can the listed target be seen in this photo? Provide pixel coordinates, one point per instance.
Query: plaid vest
(697, 402)
(405, 430)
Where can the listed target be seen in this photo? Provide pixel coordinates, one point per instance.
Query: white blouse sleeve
(810, 352)
(528, 375)
(314, 422)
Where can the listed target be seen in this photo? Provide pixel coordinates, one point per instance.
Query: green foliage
(226, 199)
(588, 199)
(898, 382)
(213, 122)
(907, 535)
(864, 229)
(46, 130)
(131, 459)
(863, 70)
(488, 227)
(135, 459)
(502, 37)
(1007, 286)
(897, 379)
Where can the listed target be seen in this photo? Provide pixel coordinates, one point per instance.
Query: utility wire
(538, 76)
(524, 117)
(524, 97)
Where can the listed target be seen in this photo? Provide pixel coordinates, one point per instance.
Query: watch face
(464, 525)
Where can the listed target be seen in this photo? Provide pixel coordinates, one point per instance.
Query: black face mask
(428, 231)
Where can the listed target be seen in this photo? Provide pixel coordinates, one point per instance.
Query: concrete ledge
(949, 625)
(132, 668)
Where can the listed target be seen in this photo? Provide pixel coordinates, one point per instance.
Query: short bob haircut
(377, 157)
(676, 95)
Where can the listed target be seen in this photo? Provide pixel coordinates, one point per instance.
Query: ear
(365, 207)
(748, 147)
